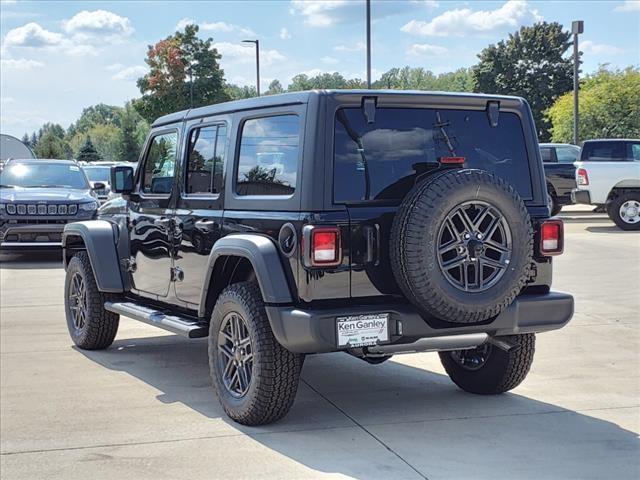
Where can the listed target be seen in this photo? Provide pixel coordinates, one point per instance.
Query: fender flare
(265, 259)
(100, 244)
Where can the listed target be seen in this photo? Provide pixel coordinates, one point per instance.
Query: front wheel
(624, 210)
(91, 326)
(255, 378)
(487, 369)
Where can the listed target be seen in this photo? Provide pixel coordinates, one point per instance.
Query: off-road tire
(613, 210)
(414, 243)
(101, 325)
(554, 206)
(502, 371)
(275, 372)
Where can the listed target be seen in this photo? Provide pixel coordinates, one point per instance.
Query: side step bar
(179, 325)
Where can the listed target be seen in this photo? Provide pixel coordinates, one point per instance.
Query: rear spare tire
(461, 246)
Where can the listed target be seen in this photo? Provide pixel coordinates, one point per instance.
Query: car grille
(48, 209)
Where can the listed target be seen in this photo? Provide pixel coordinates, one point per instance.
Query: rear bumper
(314, 331)
(581, 196)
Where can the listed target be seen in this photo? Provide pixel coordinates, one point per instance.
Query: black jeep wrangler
(369, 222)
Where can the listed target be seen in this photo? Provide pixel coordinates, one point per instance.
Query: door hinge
(177, 274)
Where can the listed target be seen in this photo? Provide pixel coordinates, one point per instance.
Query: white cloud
(589, 46)
(460, 21)
(31, 35)
(130, 73)
(426, 50)
(329, 60)
(214, 26)
(323, 13)
(114, 67)
(284, 34)
(97, 25)
(20, 64)
(246, 54)
(357, 47)
(628, 6)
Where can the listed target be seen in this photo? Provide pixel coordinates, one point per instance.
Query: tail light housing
(552, 237)
(322, 246)
(582, 177)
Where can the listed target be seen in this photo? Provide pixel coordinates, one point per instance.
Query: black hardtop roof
(294, 98)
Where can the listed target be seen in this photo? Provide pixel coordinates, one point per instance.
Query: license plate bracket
(365, 330)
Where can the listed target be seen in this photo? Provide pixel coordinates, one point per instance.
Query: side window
(268, 162)
(567, 154)
(160, 164)
(547, 154)
(205, 162)
(635, 151)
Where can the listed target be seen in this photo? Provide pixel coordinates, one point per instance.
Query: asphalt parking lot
(144, 408)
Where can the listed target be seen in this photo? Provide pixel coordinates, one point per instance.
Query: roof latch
(493, 112)
(369, 108)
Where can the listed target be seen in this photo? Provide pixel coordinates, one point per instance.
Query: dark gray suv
(38, 198)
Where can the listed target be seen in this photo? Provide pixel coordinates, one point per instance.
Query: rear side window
(380, 161)
(205, 162)
(268, 162)
(160, 164)
(567, 154)
(547, 154)
(606, 151)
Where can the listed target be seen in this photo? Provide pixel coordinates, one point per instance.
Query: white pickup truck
(608, 174)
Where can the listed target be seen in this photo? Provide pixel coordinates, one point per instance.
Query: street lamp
(257, 43)
(577, 27)
(369, 44)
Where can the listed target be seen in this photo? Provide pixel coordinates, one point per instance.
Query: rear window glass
(608, 151)
(547, 154)
(381, 160)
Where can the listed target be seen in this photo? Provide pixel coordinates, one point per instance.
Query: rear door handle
(205, 225)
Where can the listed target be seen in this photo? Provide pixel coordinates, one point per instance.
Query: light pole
(577, 27)
(369, 44)
(257, 43)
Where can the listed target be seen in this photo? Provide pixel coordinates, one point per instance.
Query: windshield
(98, 174)
(43, 174)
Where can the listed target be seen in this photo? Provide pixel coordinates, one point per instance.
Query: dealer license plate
(362, 330)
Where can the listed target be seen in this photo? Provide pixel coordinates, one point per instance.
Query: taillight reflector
(583, 177)
(452, 160)
(325, 247)
(552, 237)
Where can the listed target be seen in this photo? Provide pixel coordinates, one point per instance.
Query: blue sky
(58, 57)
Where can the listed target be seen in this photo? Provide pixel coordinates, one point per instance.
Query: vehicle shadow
(609, 229)
(34, 260)
(419, 414)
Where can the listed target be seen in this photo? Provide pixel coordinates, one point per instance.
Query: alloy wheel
(235, 354)
(78, 302)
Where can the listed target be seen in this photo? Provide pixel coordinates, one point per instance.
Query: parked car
(560, 172)
(38, 198)
(99, 172)
(368, 222)
(608, 176)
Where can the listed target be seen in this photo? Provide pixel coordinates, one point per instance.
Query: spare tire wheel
(461, 246)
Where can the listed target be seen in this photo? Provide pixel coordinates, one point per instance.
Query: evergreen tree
(88, 152)
(129, 144)
(50, 146)
(33, 141)
(25, 139)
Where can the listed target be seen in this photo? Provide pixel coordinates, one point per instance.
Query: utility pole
(257, 43)
(369, 44)
(577, 27)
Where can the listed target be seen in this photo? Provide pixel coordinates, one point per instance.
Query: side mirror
(122, 179)
(98, 186)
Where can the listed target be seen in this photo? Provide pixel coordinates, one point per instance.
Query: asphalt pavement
(144, 408)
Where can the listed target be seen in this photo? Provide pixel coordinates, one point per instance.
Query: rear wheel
(488, 369)
(552, 203)
(255, 378)
(624, 210)
(91, 326)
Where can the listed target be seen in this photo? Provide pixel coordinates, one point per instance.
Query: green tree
(100, 114)
(88, 152)
(408, 78)
(234, 92)
(55, 129)
(173, 63)
(25, 139)
(33, 141)
(275, 87)
(50, 146)
(529, 64)
(609, 107)
(130, 144)
(324, 80)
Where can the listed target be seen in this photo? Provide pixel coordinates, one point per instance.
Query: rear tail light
(583, 177)
(452, 160)
(552, 237)
(323, 248)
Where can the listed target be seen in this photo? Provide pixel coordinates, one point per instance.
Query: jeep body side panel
(265, 259)
(100, 244)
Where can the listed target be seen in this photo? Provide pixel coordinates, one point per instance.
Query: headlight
(88, 207)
